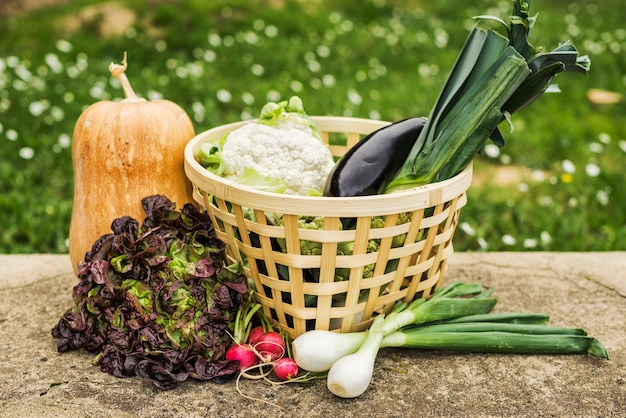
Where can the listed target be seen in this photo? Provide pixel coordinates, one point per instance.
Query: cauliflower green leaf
(289, 115)
(251, 177)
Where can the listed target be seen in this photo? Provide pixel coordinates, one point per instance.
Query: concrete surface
(585, 290)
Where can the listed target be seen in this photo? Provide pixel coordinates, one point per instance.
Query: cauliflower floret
(298, 158)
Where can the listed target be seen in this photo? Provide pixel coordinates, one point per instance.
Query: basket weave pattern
(314, 278)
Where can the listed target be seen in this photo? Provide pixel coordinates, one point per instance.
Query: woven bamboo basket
(302, 277)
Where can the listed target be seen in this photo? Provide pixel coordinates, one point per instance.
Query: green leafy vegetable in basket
(281, 152)
(343, 248)
(457, 317)
(157, 300)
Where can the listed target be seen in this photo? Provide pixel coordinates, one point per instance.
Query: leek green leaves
(493, 77)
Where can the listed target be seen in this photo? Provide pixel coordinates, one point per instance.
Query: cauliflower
(281, 152)
(298, 158)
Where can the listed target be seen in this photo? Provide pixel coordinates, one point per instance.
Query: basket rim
(406, 200)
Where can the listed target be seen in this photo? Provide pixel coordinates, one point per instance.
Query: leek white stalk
(317, 350)
(350, 376)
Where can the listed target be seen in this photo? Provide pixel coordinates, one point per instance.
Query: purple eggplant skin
(369, 166)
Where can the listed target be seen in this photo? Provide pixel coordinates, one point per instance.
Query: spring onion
(350, 376)
(317, 350)
(457, 317)
(537, 341)
(470, 326)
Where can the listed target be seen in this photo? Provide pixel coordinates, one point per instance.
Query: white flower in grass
(530, 243)
(603, 197)
(374, 115)
(224, 96)
(36, 108)
(57, 113)
(198, 111)
(568, 166)
(250, 38)
(592, 170)
(508, 239)
(604, 138)
(329, 80)
(272, 96)
(64, 46)
(154, 95)
(64, 140)
(271, 31)
(492, 150)
(97, 91)
(257, 69)
(296, 86)
(354, 97)
(27, 153)
(538, 175)
(596, 147)
(323, 51)
(209, 55)
(54, 63)
(160, 45)
(424, 70)
(247, 98)
(441, 37)
(315, 83)
(314, 66)
(467, 228)
(545, 200)
(545, 237)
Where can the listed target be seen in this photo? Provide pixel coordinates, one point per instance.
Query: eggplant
(371, 164)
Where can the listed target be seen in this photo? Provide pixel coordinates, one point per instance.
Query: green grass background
(384, 59)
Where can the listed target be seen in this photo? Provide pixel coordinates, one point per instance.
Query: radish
(285, 369)
(255, 333)
(244, 354)
(271, 345)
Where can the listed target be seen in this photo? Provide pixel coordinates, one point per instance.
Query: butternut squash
(123, 151)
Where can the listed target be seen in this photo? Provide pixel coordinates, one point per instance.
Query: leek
(493, 77)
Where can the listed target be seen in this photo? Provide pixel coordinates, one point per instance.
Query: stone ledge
(586, 290)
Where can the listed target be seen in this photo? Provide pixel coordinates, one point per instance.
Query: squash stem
(117, 70)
